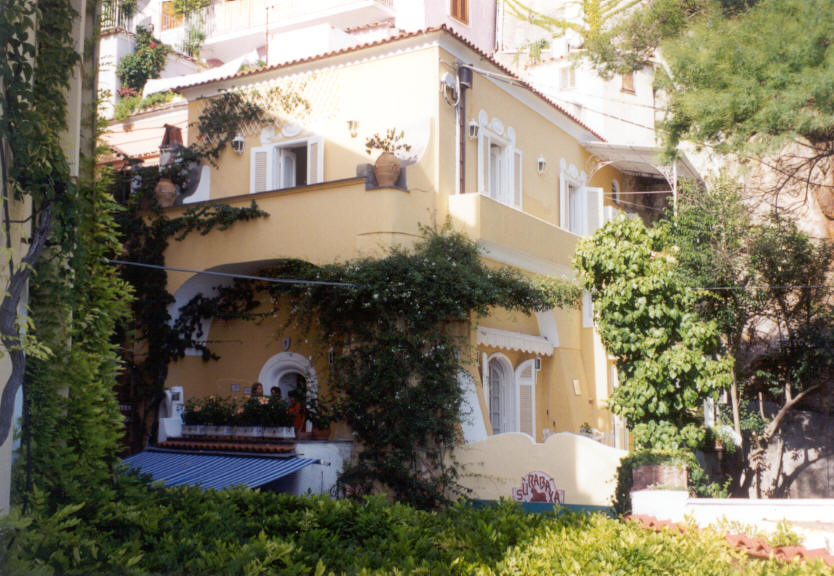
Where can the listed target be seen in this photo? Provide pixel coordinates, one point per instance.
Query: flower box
(193, 430)
(249, 431)
(279, 432)
(218, 430)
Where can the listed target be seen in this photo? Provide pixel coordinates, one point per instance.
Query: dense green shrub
(146, 61)
(188, 531)
(129, 105)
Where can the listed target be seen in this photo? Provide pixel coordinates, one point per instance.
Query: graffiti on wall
(538, 487)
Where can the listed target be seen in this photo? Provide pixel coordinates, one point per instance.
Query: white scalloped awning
(495, 338)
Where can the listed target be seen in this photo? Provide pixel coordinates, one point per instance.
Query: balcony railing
(114, 16)
(238, 16)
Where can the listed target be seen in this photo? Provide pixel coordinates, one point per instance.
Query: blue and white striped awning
(214, 471)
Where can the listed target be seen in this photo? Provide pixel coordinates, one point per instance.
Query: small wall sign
(538, 487)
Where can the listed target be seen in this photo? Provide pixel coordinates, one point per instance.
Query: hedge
(188, 531)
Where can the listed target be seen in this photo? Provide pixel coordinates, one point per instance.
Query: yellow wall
(339, 219)
(584, 469)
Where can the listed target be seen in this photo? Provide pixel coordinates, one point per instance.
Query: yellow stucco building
(490, 154)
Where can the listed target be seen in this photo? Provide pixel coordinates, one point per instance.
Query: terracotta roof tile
(394, 38)
(258, 448)
(755, 547)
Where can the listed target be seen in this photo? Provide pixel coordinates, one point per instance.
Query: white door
(496, 381)
(286, 171)
(525, 376)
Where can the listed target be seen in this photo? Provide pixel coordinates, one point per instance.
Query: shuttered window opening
(581, 207)
(526, 378)
(459, 10)
(499, 169)
(287, 165)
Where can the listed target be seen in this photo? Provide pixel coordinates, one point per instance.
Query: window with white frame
(567, 77)
(287, 164)
(581, 210)
(499, 168)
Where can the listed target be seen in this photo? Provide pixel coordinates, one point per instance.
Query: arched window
(501, 395)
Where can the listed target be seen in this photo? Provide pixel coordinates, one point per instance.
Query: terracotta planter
(659, 476)
(165, 192)
(387, 169)
(320, 434)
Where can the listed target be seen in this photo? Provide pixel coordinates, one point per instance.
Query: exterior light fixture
(238, 144)
(541, 164)
(353, 127)
(473, 129)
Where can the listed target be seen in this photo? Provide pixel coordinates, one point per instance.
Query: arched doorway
(287, 371)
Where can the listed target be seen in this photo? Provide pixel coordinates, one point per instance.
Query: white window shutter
(594, 212)
(526, 378)
(259, 170)
(587, 310)
(483, 163)
(517, 169)
(315, 161)
(525, 398)
(563, 201)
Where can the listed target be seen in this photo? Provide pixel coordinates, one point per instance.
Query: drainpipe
(464, 83)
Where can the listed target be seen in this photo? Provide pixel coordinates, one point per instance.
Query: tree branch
(9, 330)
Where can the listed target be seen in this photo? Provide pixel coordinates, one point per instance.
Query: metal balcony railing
(238, 16)
(114, 16)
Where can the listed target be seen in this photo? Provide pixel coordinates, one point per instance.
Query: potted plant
(278, 421)
(320, 416)
(306, 407)
(193, 418)
(250, 422)
(219, 415)
(387, 166)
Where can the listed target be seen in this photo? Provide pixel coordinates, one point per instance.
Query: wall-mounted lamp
(237, 144)
(541, 164)
(473, 129)
(353, 127)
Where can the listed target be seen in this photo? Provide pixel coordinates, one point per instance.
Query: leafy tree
(755, 81)
(711, 230)
(764, 283)
(595, 15)
(648, 320)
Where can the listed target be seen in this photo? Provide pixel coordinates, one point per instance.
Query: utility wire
(235, 276)
(770, 287)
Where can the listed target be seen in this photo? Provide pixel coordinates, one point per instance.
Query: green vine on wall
(400, 340)
(228, 115)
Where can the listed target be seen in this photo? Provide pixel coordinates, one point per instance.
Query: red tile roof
(394, 38)
(754, 547)
(257, 448)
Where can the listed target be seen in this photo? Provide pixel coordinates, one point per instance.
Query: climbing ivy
(77, 300)
(36, 63)
(400, 343)
(151, 341)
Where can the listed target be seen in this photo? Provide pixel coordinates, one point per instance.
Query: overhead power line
(233, 275)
